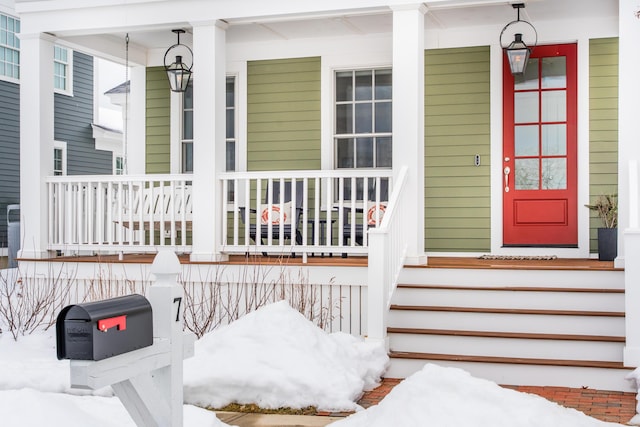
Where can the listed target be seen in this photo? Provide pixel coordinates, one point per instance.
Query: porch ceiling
(441, 14)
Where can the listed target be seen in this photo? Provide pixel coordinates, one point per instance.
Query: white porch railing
(303, 212)
(119, 213)
(387, 252)
(323, 212)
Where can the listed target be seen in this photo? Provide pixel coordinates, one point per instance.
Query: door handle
(507, 171)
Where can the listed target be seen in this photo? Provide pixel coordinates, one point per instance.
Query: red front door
(539, 163)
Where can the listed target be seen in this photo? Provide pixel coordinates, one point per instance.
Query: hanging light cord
(127, 87)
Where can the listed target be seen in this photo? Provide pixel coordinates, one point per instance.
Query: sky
(108, 75)
(273, 357)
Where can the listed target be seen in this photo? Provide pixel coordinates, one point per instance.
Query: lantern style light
(518, 55)
(178, 72)
(518, 52)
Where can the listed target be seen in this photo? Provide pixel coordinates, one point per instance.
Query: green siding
(283, 114)
(457, 124)
(157, 121)
(603, 124)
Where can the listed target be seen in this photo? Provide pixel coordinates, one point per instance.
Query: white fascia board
(71, 17)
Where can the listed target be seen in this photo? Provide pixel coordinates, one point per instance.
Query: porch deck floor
(520, 263)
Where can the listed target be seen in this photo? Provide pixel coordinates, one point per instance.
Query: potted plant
(606, 206)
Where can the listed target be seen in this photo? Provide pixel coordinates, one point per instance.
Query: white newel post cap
(165, 263)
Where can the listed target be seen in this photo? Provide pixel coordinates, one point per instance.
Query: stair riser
(510, 299)
(544, 324)
(536, 375)
(507, 347)
(506, 277)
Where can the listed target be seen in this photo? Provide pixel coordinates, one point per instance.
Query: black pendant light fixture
(517, 51)
(178, 72)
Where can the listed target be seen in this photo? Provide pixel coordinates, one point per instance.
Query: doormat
(519, 258)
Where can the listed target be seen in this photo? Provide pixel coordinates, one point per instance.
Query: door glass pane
(344, 118)
(345, 153)
(526, 107)
(383, 152)
(363, 86)
(530, 78)
(383, 116)
(554, 106)
(554, 140)
(554, 72)
(526, 140)
(383, 84)
(554, 174)
(364, 116)
(364, 150)
(344, 86)
(527, 174)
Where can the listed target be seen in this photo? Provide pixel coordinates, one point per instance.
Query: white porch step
(589, 299)
(538, 346)
(501, 277)
(494, 320)
(534, 327)
(508, 373)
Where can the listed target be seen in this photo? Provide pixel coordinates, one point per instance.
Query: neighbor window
(59, 158)
(61, 69)
(363, 131)
(9, 47)
(118, 165)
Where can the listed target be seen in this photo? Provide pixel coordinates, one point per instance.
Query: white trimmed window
(59, 158)
(231, 132)
(118, 165)
(186, 133)
(62, 63)
(9, 48)
(363, 130)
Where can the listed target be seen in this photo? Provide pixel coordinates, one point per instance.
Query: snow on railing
(387, 252)
(119, 213)
(328, 211)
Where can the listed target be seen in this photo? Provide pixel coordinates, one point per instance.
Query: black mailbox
(101, 329)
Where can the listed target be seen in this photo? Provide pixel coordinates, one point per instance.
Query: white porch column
(629, 150)
(628, 111)
(36, 140)
(208, 138)
(408, 118)
(136, 121)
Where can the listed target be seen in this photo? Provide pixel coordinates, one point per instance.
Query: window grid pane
(57, 162)
(363, 127)
(60, 68)
(9, 47)
(540, 131)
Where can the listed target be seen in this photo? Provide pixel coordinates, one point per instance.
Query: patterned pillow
(272, 214)
(372, 212)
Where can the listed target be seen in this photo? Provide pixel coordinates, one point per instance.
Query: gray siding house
(75, 151)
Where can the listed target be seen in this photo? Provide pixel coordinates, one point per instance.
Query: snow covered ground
(273, 357)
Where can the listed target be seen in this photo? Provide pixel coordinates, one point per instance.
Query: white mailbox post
(148, 381)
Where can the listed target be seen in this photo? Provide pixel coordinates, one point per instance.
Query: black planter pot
(607, 244)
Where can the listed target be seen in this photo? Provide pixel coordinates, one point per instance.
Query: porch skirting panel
(216, 294)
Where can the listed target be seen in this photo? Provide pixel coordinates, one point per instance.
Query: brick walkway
(611, 406)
